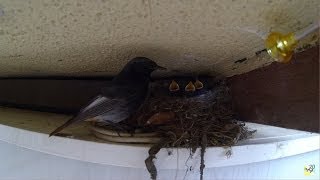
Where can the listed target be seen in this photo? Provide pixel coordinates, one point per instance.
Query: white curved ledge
(267, 144)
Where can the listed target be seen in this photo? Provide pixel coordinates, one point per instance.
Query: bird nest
(182, 118)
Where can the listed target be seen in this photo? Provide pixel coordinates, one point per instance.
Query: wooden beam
(58, 95)
(285, 95)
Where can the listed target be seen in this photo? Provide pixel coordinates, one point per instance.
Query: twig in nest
(152, 155)
(204, 142)
(180, 138)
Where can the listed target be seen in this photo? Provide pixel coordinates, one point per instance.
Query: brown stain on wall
(285, 95)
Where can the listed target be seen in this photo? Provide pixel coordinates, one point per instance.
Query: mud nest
(209, 113)
(189, 119)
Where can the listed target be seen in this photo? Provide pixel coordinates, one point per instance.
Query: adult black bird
(120, 99)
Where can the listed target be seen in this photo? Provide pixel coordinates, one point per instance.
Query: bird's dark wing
(98, 106)
(116, 99)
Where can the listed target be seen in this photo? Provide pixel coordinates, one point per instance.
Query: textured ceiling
(93, 38)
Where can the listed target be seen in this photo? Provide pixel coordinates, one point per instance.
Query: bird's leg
(118, 127)
(113, 126)
(129, 129)
(92, 121)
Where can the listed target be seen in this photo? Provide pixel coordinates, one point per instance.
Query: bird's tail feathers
(66, 124)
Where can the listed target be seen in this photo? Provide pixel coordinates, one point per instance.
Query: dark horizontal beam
(52, 94)
(59, 96)
(285, 95)
(97, 78)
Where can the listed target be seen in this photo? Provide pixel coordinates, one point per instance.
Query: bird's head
(138, 69)
(143, 65)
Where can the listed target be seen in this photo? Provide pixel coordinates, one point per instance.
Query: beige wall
(77, 37)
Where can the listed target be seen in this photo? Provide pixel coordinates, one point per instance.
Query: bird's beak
(160, 68)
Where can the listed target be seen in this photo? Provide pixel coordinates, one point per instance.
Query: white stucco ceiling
(93, 38)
